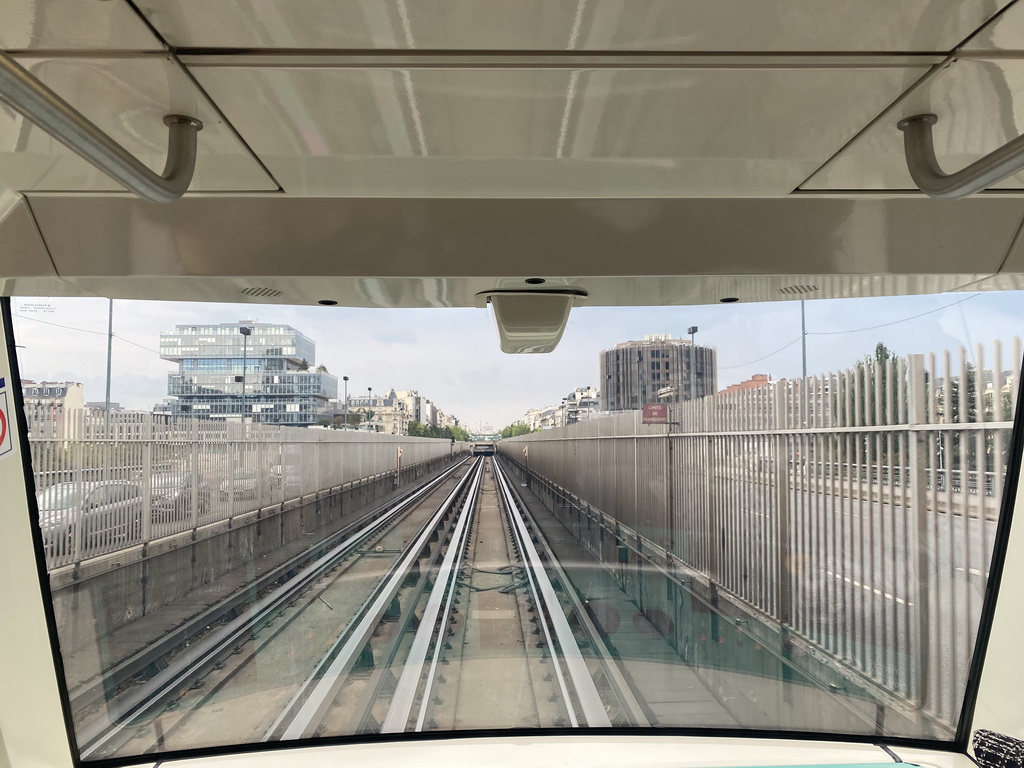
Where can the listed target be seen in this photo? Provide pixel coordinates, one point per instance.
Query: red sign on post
(655, 413)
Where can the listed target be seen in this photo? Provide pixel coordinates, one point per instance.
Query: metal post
(920, 557)
(345, 408)
(110, 346)
(803, 345)
(639, 378)
(246, 332)
(106, 411)
(147, 491)
(692, 330)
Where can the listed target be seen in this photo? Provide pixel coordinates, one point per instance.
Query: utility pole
(803, 345)
(110, 346)
(106, 408)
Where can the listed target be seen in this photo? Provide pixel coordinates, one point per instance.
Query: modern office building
(260, 371)
(655, 370)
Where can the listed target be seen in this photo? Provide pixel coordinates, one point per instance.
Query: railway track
(424, 618)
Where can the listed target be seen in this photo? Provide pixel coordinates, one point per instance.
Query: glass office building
(274, 363)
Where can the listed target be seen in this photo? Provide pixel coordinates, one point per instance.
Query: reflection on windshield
(709, 539)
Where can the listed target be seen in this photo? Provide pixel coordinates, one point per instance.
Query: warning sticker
(6, 444)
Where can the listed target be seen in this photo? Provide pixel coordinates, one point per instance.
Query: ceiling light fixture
(530, 321)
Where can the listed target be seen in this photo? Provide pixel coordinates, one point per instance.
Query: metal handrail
(934, 182)
(26, 94)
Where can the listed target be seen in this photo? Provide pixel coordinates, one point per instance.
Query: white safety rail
(557, 633)
(433, 622)
(104, 485)
(858, 509)
(305, 711)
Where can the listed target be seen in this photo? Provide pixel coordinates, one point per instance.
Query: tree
(460, 434)
(514, 430)
(304, 365)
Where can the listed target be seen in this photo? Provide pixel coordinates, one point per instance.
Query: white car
(106, 511)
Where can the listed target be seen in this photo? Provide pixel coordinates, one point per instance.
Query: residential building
(756, 381)
(394, 411)
(656, 369)
(263, 372)
(582, 404)
(52, 408)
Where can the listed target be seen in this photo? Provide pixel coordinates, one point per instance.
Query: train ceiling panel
(980, 106)
(428, 252)
(603, 131)
(1004, 33)
(68, 25)
(127, 98)
(559, 25)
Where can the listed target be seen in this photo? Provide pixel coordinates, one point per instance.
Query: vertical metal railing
(857, 508)
(101, 488)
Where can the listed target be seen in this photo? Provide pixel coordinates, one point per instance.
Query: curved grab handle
(42, 106)
(924, 168)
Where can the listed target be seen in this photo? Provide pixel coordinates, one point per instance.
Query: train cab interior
(531, 161)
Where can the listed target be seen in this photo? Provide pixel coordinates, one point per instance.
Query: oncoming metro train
(824, 573)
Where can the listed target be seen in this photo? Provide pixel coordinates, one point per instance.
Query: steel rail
(397, 718)
(586, 691)
(542, 617)
(934, 182)
(306, 709)
(95, 689)
(26, 94)
(637, 713)
(220, 643)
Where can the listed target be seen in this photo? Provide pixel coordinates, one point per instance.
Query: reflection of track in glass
(197, 661)
(389, 633)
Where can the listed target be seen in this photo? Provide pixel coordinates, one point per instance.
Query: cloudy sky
(452, 356)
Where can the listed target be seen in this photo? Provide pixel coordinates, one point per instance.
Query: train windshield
(763, 518)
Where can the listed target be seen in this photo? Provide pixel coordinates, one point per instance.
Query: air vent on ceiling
(798, 289)
(260, 292)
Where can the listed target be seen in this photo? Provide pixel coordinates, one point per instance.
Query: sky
(451, 355)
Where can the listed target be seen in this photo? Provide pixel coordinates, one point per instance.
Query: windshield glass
(763, 517)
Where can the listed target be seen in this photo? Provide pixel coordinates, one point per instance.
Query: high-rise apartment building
(275, 364)
(655, 370)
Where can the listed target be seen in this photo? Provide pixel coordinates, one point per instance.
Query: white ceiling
(601, 100)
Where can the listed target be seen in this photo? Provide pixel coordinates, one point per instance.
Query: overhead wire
(850, 330)
(87, 330)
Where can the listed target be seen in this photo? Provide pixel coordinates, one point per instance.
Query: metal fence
(857, 509)
(104, 485)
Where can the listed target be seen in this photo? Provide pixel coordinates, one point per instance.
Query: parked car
(106, 511)
(171, 495)
(246, 483)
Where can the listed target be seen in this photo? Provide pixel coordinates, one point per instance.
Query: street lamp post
(369, 406)
(692, 330)
(345, 409)
(246, 333)
(640, 378)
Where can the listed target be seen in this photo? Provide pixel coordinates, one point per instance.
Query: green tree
(514, 430)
